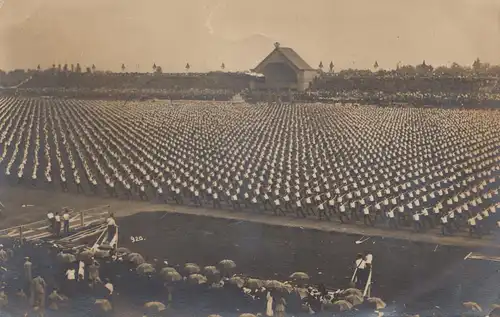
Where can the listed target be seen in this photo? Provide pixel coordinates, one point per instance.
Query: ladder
(480, 256)
(368, 286)
(102, 240)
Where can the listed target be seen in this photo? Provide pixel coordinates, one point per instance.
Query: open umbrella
(473, 306)
(197, 279)
(85, 256)
(155, 306)
(354, 299)
(254, 283)
(135, 258)
(227, 264)
(191, 268)
(300, 278)
(380, 304)
(103, 304)
(238, 281)
(273, 284)
(167, 270)
(102, 254)
(123, 251)
(343, 305)
(170, 276)
(145, 269)
(66, 258)
(352, 291)
(210, 271)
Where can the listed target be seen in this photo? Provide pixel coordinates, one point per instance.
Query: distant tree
(454, 70)
(331, 67)
(320, 66)
(88, 70)
(441, 70)
(424, 69)
(38, 68)
(154, 67)
(222, 66)
(408, 70)
(158, 70)
(476, 65)
(187, 67)
(123, 67)
(93, 68)
(375, 65)
(65, 67)
(494, 70)
(78, 68)
(72, 67)
(53, 66)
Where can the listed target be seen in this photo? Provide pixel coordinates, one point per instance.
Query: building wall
(305, 78)
(279, 75)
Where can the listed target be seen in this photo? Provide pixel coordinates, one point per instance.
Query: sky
(238, 33)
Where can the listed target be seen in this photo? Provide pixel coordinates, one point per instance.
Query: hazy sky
(205, 33)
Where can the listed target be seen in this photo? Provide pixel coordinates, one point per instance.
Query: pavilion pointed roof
(290, 55)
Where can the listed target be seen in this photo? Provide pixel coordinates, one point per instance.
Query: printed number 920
(137, 239)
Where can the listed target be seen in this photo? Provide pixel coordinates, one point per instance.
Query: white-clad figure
(81, 271)
(269, 306)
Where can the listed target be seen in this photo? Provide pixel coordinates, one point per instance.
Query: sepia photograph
(230, 158)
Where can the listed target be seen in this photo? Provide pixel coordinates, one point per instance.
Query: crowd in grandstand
(454, 86)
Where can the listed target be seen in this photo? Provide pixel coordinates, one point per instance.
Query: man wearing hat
(57, 224)
(52, 221)
(3, 255)
(28, 275)
(66, 221)
(111, 226)
(3, 260)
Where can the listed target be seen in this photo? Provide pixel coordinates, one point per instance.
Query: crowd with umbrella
(267, 296)
(157, 287)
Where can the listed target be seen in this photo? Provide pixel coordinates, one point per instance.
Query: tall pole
(21, 234)
(82, 221)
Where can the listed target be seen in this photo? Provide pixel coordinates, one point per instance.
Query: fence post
(21, 234)
(82, 221)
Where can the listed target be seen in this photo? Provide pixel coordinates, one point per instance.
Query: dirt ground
(23, 205)
(409, 273)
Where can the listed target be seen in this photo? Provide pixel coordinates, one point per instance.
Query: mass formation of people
(395, 167)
